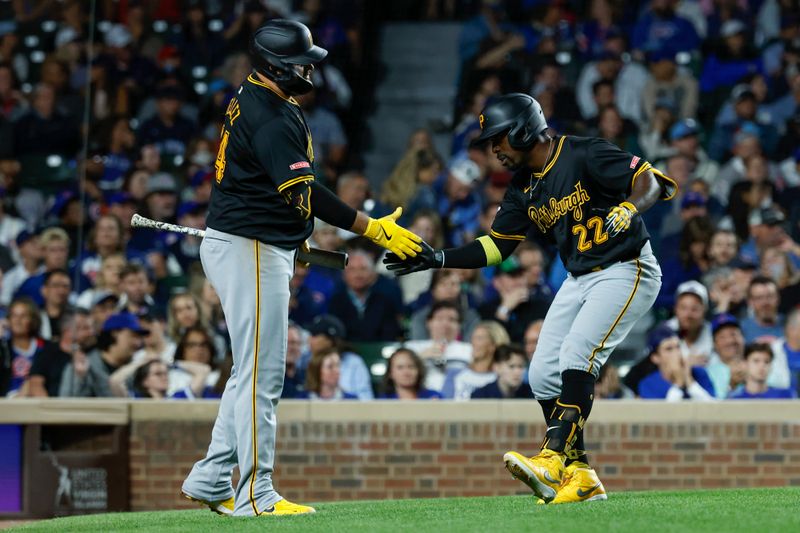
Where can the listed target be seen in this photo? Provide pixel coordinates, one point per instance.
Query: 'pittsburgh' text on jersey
(583, 180)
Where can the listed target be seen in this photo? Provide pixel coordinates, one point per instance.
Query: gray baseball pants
(252, 281)
(590, 315)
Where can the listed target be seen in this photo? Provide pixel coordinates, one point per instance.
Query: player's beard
(508, 162)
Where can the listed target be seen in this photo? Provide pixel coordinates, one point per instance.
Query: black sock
(565, 429)
(580, 451)
(547, 408)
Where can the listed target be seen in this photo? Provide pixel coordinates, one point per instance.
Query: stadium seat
(375, 355)
(47, 172)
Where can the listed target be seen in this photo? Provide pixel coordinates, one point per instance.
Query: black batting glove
(424, 260)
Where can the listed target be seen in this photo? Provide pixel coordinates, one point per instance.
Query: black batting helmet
(278, 47)
(517, 114)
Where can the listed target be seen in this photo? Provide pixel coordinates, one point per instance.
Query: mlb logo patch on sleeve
(634, 161)
(304, 164)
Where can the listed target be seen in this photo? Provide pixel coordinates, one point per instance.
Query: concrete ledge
(120, 411)
(67, 411)
(202, 410)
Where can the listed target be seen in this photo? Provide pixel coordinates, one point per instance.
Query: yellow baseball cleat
(542, 473)
(285, 507)
(222, 507)
(580, 484)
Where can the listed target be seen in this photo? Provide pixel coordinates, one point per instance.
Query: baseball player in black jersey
(585, 195)
(262, 209)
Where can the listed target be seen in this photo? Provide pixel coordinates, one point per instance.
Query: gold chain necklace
(531, 186)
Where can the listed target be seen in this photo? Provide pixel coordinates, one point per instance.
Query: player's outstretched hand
(619, 218)
(425, 259)
(387, 233)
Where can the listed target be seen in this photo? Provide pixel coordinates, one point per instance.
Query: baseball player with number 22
(262, 209)
(585, 195)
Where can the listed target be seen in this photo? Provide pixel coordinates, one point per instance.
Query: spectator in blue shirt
(747, 121)
(490, 21)
(732, 61)
(675, 379)
(55, 242)
(295, 377)
(459, 204)
(405, 378)
(186, 248)
(692, 257)
(758, 363)
(304, 303)
(23, 343)
(726, 365)
(168, 130)
(786, 364)
(327, 332)
(119, 140)
(764, 323)
(369, 314)
(510, 365)
(766, 228)
(661, 28)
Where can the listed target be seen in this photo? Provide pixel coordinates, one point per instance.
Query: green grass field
(718, 511)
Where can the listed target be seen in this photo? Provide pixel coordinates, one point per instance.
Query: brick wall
(374, 451)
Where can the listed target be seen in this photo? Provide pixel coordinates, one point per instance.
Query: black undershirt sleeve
(473, 255)
(328, 207)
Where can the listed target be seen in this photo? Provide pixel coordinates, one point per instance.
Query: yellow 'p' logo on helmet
(481, 120)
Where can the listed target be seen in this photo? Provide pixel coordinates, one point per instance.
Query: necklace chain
(532, 187)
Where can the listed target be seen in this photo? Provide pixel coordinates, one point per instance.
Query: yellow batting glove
(385, 232)
(619, 218)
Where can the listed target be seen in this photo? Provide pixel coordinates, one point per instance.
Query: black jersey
(265, 147)
(569, 200)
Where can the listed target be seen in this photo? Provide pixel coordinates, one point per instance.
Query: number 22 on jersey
(593, 225)
(232, 113)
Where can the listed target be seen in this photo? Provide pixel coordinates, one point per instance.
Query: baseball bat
(314, 256)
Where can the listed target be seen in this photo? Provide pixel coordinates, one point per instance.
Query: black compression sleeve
(328, 207)
(473, 255)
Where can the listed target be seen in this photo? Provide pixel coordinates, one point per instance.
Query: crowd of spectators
(708, 91)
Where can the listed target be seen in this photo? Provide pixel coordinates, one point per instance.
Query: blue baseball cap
(747, 130)
(604, 55)
(743, 263)
(693, 199)
(660, 54)
(124, 321)
(683, 128)
(61, 202)
(121, 198)
(201, 176)
(723, 320)
(24, 236)
(190, 207)
(659, 335)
